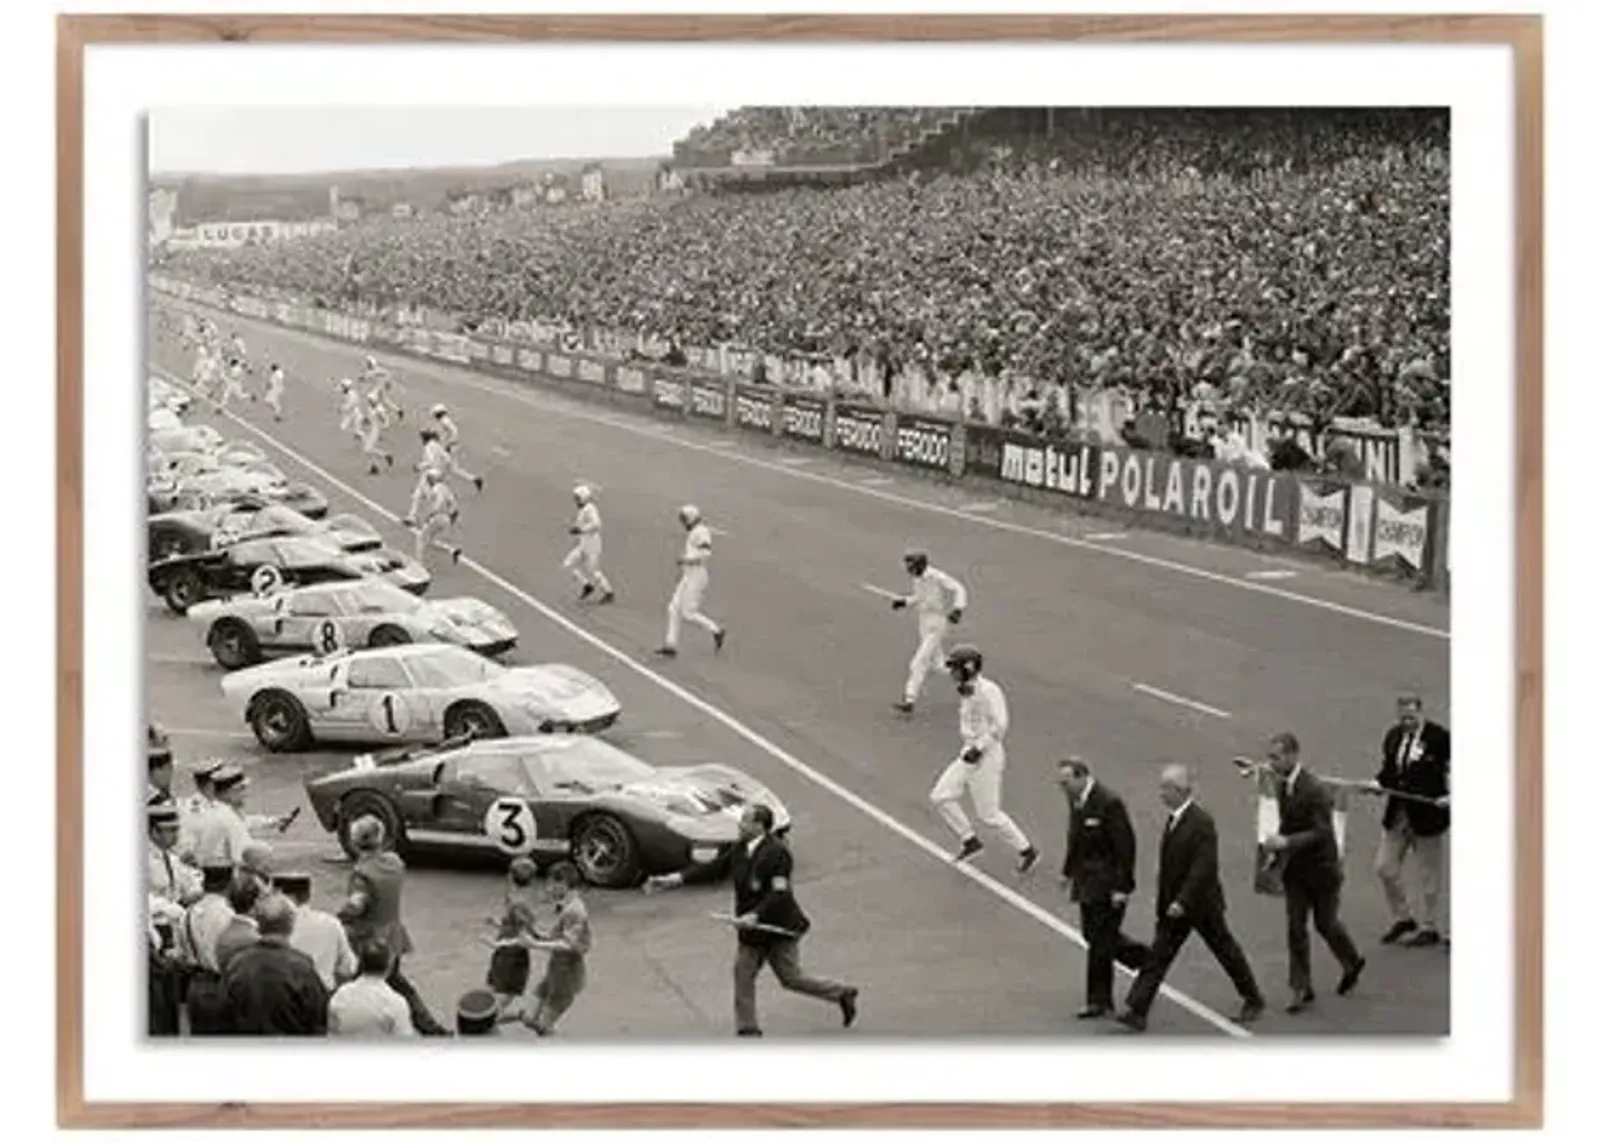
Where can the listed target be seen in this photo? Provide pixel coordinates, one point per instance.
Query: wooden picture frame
(1522, 34)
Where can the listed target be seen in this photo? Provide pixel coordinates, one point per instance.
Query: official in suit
(1189, 899)
(1308, 852)
(1098, 868)
(372, 909)
(768, 920)
(1416, 760)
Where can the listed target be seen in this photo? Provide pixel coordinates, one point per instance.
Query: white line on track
(1107, 536)
(1168, 696)
(1272, 573)
(755, 738)
(875, 481)
(180, 660)
(791, 466)
(883, 591)
(202, 732)
(982, 506)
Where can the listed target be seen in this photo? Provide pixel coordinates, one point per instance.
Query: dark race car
(182, 581)
(251, 518)
(615, 817)
(167, 493)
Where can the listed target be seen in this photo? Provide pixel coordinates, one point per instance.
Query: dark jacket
(271, 989)
(1188, 870)
(1305, 821)
(381, 876)
(756, 890)
(1101, 849)
(1426, 773)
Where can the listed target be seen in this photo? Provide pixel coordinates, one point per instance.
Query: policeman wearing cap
(169, 879)
(221, 830)
(158, 751)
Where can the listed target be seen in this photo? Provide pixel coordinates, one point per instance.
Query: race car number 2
(510, 825)
(389, 713)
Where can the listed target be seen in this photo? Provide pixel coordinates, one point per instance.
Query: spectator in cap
(168, 878)
(244, 893)
(270, 988)
(223, 833)
(316, 933)
(193, 809)
(202, 925)
(159, 759)
(476, 1013)
(372, 909)
(367, 1006)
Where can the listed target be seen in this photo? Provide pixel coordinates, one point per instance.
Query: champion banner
(1400, 531)
(1320, 521)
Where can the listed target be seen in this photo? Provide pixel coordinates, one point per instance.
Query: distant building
(348, 209)
(593, 183)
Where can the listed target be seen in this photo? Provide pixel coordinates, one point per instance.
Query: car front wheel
(280, 722)
(233, 644)
(474, 720)
(182, 590)
(605, 853)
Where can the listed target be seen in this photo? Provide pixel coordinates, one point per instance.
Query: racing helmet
(916, 560)
(689, 514)
(438, 411)
(964, 663)
(582, 493)
(346, 384)
(371, 362)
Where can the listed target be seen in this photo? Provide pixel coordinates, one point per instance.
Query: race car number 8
(389, 713)
(327, 637)
(510, 825)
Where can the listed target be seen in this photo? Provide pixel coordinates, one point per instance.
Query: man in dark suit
(1098, 867)
(270, 988)
(1189, 899)
(1308, 853)
(372, 909)
(1416, 760)
(768, 919)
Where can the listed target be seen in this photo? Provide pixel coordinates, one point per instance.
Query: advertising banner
(631, 379)
(1229, 501)
(592, 371)
(502, 355)
(1400, 531)
(670, 393)
(530, 360)
(1319, 523)
(858, 429)
(923, 443)
(1067, 467)
(558, 365)
(1358, 539)
(452, 347)
(753, 409)
(476, 350)
(709, 400)
(802, 417)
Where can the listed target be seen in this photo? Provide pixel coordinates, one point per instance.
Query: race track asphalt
(1093, 639)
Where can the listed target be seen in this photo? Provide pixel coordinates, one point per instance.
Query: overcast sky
(290, 141)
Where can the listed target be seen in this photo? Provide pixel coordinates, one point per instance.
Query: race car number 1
(389, 714)
(509, 824)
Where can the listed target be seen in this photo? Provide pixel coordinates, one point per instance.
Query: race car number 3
(509, 824)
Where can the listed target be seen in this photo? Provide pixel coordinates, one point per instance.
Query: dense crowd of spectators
(1251, 262)
(809, 135)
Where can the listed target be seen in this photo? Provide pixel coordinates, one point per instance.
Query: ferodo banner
(1400, 531)
(708, 400)
(1319, 522)
(502, 354)
(592, 371)
(1227, 500)
(802, 417)
(858, 429)
(631, 380)
(530, 360)
(753, 409)
(923, 443)
(670, 393)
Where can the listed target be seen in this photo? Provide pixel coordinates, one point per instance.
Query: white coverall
(350, 413)
(439, 510)
(450, 436)
(984, 720)
(583, 561)
(934, 595)
(232, 385)
(691, 589)
(274, 396)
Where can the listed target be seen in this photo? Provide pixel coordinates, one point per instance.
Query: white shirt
(322, 938)
(275, 379)
(588, 520)
(220, 836)
(697, 546)
(438, 499)
(934, 594)
(1172, 818)
(169, 877)
(448, 432)
(352, 401)
(984, 717)
(434, 458)
(367, 1006)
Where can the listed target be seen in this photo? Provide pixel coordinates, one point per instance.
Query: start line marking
(755, 738)
(464, 377)
(1168, 696)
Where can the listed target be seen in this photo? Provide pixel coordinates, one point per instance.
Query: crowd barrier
(1368, 525)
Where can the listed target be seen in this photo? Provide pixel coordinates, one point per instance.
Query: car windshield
(272, 518)
(306, 550)
(380, 597)
(589, 766)
(447, 666)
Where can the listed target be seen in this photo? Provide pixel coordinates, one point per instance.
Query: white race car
(420, 693)
(246, 629)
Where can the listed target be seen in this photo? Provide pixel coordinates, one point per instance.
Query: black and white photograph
(797, 571)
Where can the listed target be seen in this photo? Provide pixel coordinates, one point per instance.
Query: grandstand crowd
(1246, 262)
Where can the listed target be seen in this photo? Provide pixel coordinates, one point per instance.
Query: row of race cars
(325, 638)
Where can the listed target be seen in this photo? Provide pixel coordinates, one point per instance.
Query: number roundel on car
(509, 824)
(390, 713)
(265, 580)
(326, 637)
